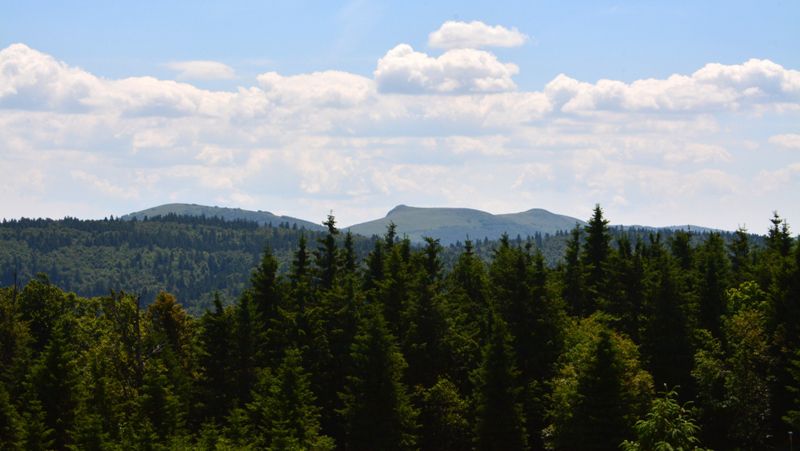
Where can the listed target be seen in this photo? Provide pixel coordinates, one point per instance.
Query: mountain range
(449, 225)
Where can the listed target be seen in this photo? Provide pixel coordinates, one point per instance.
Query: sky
(661, 112)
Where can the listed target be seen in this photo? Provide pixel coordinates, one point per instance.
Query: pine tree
(741, 256)
(466, 306)
(574, 289)
(500, 422)
(265, 289)
(56, 382)
(11, 427)
(284, 410)
(217, 386)
(444, 418)
(596, 254)
(714, 279)
(246, 343)
(377, 411)
(665, 340)
(326, 256)
(599, 419)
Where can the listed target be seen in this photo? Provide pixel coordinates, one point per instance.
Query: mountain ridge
(226, 213)
(448, 224)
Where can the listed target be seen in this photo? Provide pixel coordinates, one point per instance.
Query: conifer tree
(327, 256)
(444, 418)
(218, 387)
(574, 288)
(245, 352)
(596, 255)
(377, 411)
(56, 381)
(500, 424)
(714, 279)
(11, 428)
(284, 409)
(467, 306)
(265, 289)
(665, 341)
(741, 256)
(599, 419)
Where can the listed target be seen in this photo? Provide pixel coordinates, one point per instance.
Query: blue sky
(663, 112)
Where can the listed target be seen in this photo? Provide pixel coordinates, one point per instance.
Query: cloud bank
(448, 129)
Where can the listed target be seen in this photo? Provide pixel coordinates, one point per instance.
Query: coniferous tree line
(634, 340)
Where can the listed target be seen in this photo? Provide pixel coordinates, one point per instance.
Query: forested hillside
(192, 257)
(638, 341)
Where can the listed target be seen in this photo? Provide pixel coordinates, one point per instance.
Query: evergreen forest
(633, 340)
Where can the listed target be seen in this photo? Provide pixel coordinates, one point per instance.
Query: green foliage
(668, 426)
(600, 388)
(377, 409)
(500, 423)
(11, 427)
(283, 408)
(500, 349)
(444, 418)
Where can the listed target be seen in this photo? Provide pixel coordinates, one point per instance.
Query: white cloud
(333, 89)
(104, 186)
(201, 70)
(302, 144)
(788, 140)
(714, 86)
(459, 71)
(474, 35)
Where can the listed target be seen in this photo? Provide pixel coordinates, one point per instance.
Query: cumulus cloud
(201, 70)
(714, 86)
(330, 88)
(474, 35)
(459, 71)
(788, 140)
(301, 144)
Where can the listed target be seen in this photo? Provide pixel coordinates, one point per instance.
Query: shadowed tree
(377, 411)
(500, 424)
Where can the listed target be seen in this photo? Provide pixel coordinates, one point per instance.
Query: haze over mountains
(449, 225)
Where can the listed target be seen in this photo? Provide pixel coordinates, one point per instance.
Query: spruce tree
(574, 292)
(599, 419)
(327, 256)
(500, 424)
(11, 427)
(217, 384)
(377, 411)
(714, 280)
(596, 254)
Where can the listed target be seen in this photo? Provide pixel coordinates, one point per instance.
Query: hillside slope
(228, 214)
(450, 225)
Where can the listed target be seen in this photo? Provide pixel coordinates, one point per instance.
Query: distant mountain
(228, 214)
(450, 225)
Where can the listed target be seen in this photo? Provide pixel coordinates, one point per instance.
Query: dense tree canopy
(337, 342)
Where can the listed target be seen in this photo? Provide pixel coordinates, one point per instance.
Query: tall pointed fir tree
(714, 271)
(574, 292)
(666, 344)
(500, 423)
(217, 384)
(595, 258)
(377, 411)
(467, 306)
(424, 342)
